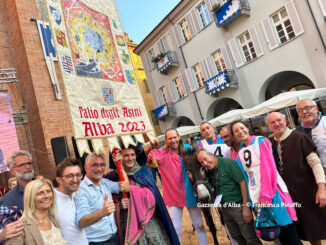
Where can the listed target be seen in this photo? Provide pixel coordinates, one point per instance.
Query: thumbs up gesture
(108, 206)
(124, 186)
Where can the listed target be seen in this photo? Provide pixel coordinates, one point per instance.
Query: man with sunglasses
(94, 204)
(69, 175)
(313, 124)
(20, 165)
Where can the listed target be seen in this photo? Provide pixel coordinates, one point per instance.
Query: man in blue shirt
(94, 204)
(20, 165)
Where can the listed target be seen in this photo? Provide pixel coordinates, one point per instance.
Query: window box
(221, 81)
(165, 111)
(230, 11)
(167, 61)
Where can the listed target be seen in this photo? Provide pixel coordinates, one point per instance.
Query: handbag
(267, 229)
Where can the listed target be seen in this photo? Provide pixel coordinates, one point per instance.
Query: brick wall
(20, 47)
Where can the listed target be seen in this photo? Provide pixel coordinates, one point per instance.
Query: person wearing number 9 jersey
(212, 142)
(266, 187)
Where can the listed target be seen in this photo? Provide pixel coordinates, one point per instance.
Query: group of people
(281, 177)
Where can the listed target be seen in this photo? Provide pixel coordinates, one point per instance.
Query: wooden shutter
(158, 98)
(294, 17)
(194, 17)
(191, 81)
(270, 36)
(211, 67)
(159, 46)
(235, 52)
(190, 25)
(226, 57)
(149, 61)
(255, 40)
(322, 4)
(204, 69)
(183, 84)
(171, 90)
(179, 40)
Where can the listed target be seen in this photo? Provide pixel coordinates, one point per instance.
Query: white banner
(99, 79)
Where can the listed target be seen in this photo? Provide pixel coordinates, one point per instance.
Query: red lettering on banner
(110, 113)
(88, 129)
(92, 129)
(88, 112)
(131, 112)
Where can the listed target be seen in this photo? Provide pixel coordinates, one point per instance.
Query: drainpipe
(184, 60)
(315, 22)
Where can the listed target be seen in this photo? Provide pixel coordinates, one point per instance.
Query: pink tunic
(173, 178)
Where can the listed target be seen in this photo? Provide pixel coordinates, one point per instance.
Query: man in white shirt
(69, 175)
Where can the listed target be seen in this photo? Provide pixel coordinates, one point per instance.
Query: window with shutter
(204, 14)
(198, 75)
(164, 95)
(283, 26)
(191, 80)
(185, 30)
(150, 55)
(178, 88)
(164, 44)
(247, 46)
(219, 61)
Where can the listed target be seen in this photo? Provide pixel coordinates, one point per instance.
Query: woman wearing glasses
(40, 225)
(266, 187)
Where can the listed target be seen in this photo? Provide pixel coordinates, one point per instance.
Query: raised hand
(108, 206)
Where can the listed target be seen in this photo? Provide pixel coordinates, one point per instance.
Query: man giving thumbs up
(94, 204)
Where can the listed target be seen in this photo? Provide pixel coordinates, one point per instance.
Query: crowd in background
(279, 178)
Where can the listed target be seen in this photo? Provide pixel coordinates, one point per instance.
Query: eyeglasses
(305, 108)
(24, 165)
(72, 176)
(97, 165)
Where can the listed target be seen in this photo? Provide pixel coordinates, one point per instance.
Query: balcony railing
(164, 111)
(230, 11)
(169, 60)
(221, 81)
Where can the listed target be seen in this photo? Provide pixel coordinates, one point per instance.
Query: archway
(283, 82)
(220, 106)
(182, 121)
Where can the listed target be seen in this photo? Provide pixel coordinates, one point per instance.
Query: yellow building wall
(141, 76)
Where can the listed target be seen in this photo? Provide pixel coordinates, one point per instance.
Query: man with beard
(178, 191)
(69, 175)
(20, 165)
(301, 170)
(230, 141)
(147, 211)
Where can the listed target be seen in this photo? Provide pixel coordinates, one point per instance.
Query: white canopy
(282, 100)
(278, 102)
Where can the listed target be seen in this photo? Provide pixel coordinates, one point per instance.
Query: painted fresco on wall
(8, 139)
(92, 42)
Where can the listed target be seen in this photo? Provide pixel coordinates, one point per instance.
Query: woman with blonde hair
(40, 225)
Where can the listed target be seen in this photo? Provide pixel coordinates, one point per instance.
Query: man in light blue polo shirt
(94, 204)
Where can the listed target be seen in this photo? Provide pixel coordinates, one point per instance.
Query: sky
(139, 17)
